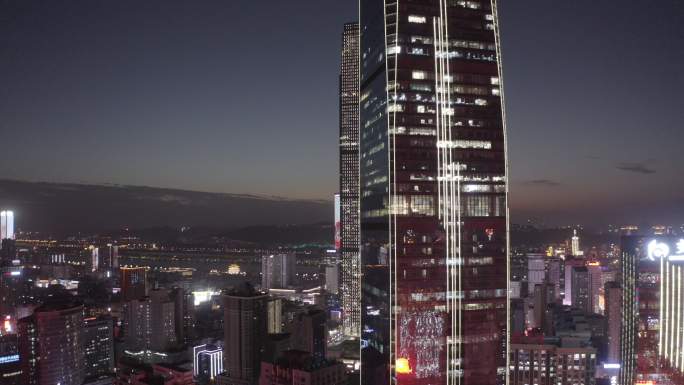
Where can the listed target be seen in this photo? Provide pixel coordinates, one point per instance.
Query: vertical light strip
(497, 39)
(394, 158)
(390, 202)
(660, 321)
(679, 359)
(678, 334)
(666, 348)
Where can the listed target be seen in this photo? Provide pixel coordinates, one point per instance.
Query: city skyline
(350, 192)
(598, 159)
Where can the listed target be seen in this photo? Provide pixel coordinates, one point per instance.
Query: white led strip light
(449, 196)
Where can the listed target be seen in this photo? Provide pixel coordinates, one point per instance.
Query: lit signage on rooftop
(658, 250)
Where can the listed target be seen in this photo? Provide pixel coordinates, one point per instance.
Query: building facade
(433, 193)
(349, 181)
(299, 368)
(98, 346)
(51, 345)
(245, 332)
(547, 364)
(277, 271)
(652, 332)
(133, 283)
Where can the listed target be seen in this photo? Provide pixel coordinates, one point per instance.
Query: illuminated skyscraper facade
(6, 224)
(349, 180)
(652, 333)
(433, 193)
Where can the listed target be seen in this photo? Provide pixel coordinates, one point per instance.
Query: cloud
(543, 182)
(639, 168)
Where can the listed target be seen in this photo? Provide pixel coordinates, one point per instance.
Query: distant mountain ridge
(68, 207)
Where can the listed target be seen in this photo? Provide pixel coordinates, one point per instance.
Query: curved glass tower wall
(433, 193)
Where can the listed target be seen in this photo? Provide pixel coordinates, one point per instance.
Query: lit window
(420, 109)
(419, 75)
(395, 108)
(417, 19)
(394, 50)
(495, 80)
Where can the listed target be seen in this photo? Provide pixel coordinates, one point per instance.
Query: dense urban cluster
(424, 280)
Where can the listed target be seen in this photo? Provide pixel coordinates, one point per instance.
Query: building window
(419, 75)
(417, 19)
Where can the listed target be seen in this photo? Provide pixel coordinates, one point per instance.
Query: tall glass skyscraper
(433, 193)
(652, 327)
(349, 181)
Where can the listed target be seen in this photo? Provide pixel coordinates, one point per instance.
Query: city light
(402, 366)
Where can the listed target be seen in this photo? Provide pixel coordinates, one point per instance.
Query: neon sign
(659, 250)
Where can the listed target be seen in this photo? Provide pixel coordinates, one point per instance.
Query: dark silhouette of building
(613, 313)
(310, 333)
(245, 332)
(433, 191)
(300, 368)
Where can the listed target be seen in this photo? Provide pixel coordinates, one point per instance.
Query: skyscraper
(652, 328)
(51, 345)
(6, 224)
(349, 180)
(98, 346)
(245, 331)
(433, 193)
(575, 245)
(613, 315)
(278, 270)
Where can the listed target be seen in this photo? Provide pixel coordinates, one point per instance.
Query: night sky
(241, 96)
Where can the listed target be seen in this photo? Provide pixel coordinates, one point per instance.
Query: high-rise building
(10, 365)
(275, 316)
(652, 332)
(575, 244)
(104, 258)
(150, 323)
(133, 283)
(581, 296)
(245, 332)
(182, 300)
(595, 287)
(137, 326)
(51, 345)
(163, 310)
(349, 181)
(277, 271)
(613, 316)
(543, 295)
(433, 193)
(6, 224)
(550, 364)
(98, 340)
(310, 333)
